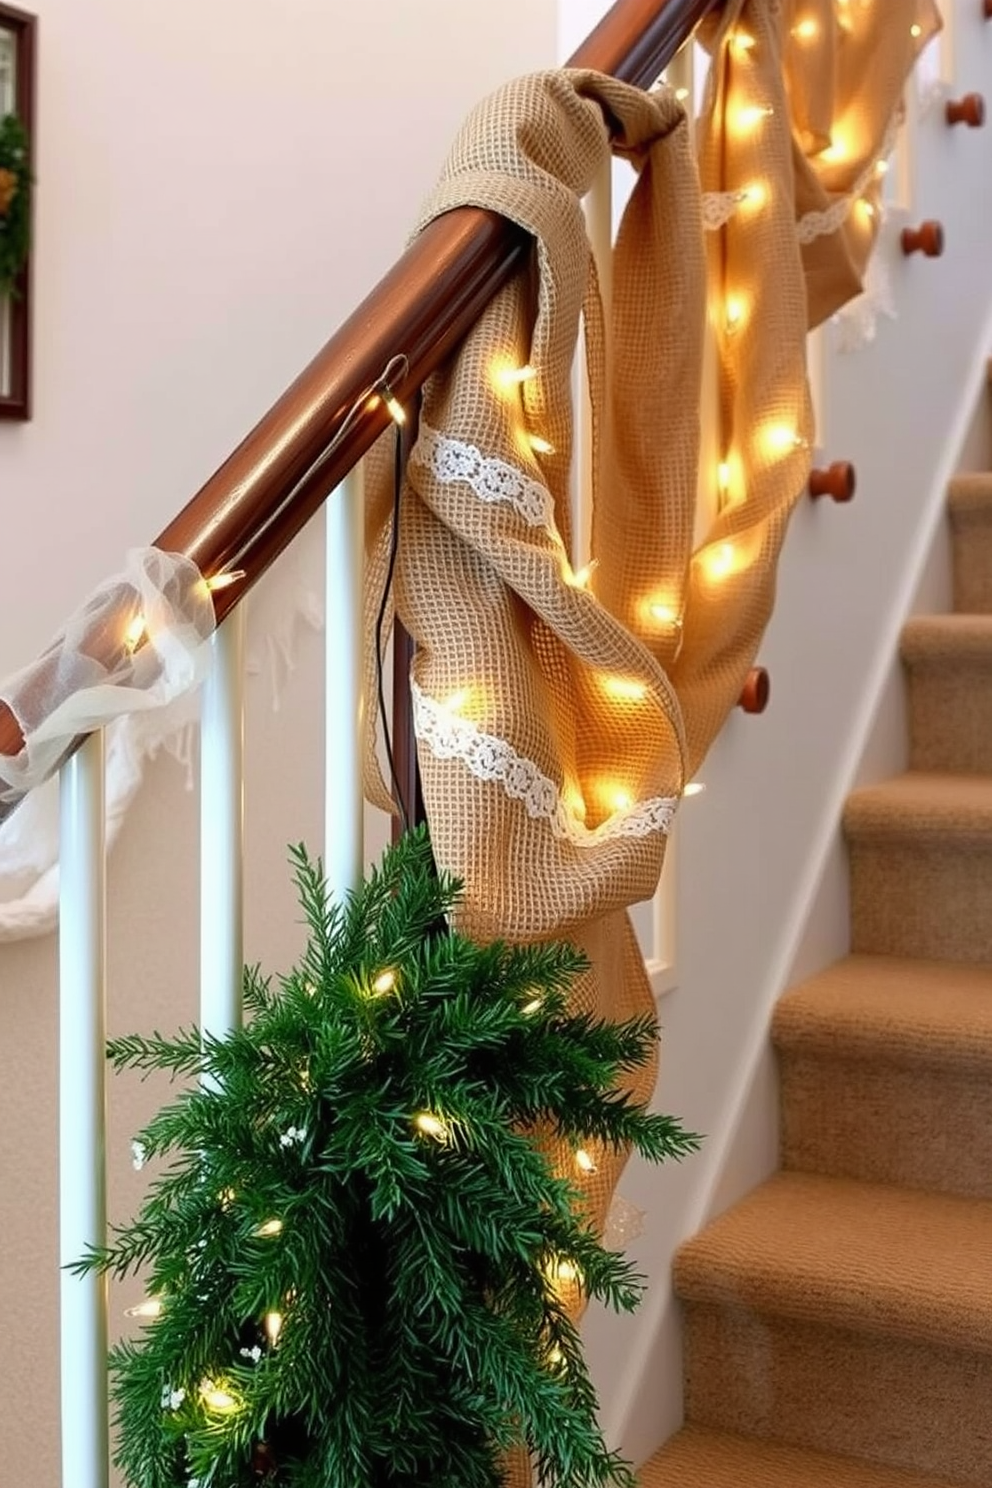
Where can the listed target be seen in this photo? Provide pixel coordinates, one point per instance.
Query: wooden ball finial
(757, 691)
(838, 481)
(927, 239)
(968, 110)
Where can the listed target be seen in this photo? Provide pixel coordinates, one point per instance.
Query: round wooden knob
(968, 110)
(757, 691)
(838, 481)
(927, 239)
(987, 8)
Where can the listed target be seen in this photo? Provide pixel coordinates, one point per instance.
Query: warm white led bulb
(748, 118)
(580, 580)
(625, 689)
(781, 439)
(514, 376)
(562, 1269)
(396, 410)
(152, 1307)
(216, 1397)
(135, 632)
(456, 700)
(225, 580)
(720, 561)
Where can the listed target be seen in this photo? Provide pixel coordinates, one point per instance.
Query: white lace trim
(821, 224)
(490, 758)
(492, 480)
(719, 207)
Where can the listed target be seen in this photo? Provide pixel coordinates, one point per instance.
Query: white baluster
(222, 830)
(344, 810)
(82, 1116)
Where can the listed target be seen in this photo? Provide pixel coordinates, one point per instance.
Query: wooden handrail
(251, 509)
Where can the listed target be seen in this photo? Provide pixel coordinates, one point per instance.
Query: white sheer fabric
(284, 605)
(134, 645)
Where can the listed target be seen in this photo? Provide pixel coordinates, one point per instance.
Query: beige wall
(219, 183)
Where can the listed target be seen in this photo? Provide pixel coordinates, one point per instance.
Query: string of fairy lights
(218, 1393)
(745, 116)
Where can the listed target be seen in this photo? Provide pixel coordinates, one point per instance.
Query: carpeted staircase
(838, 1321)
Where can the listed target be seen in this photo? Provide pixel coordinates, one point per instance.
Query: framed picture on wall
(18, 40)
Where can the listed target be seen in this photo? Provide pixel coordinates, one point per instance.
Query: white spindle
(344, 845)
(82, 1116)
(222, 830)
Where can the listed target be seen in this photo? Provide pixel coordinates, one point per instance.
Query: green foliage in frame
(15, 201)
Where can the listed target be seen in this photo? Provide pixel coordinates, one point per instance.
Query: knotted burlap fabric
(557, 721)
(550, 742)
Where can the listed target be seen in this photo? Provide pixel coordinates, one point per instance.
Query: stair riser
(888, 1401)
(878, 1123)
(950, 717)
(971, 548)
(921, 898)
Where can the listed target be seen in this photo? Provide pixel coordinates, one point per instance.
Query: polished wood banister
(251, 509)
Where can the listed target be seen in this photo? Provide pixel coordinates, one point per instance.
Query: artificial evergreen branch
(363, 1257)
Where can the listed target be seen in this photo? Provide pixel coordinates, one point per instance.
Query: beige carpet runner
(838, 1322)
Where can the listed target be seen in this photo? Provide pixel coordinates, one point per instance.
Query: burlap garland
(782, 286)
(532, 661)
(558, 722)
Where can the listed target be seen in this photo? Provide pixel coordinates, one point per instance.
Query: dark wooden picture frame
(15, 325)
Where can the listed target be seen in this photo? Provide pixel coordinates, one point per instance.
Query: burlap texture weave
(801, 107)
(558, 721)
(550, 742)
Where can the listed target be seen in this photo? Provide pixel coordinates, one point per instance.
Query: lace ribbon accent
(821, 224)
(492, 480)
(490, 758)
(719, 207)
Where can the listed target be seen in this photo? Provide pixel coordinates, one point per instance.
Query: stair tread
(944, 638)
(970, 494)
(928, 1014)
(698, 1458)
(850, 1255)
(959, 806)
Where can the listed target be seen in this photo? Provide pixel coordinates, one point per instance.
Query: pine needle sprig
(364, 1263)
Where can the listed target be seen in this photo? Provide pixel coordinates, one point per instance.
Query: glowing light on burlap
(607, 688)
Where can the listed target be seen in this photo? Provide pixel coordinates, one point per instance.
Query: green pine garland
(354, 1242)
(15, 222)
